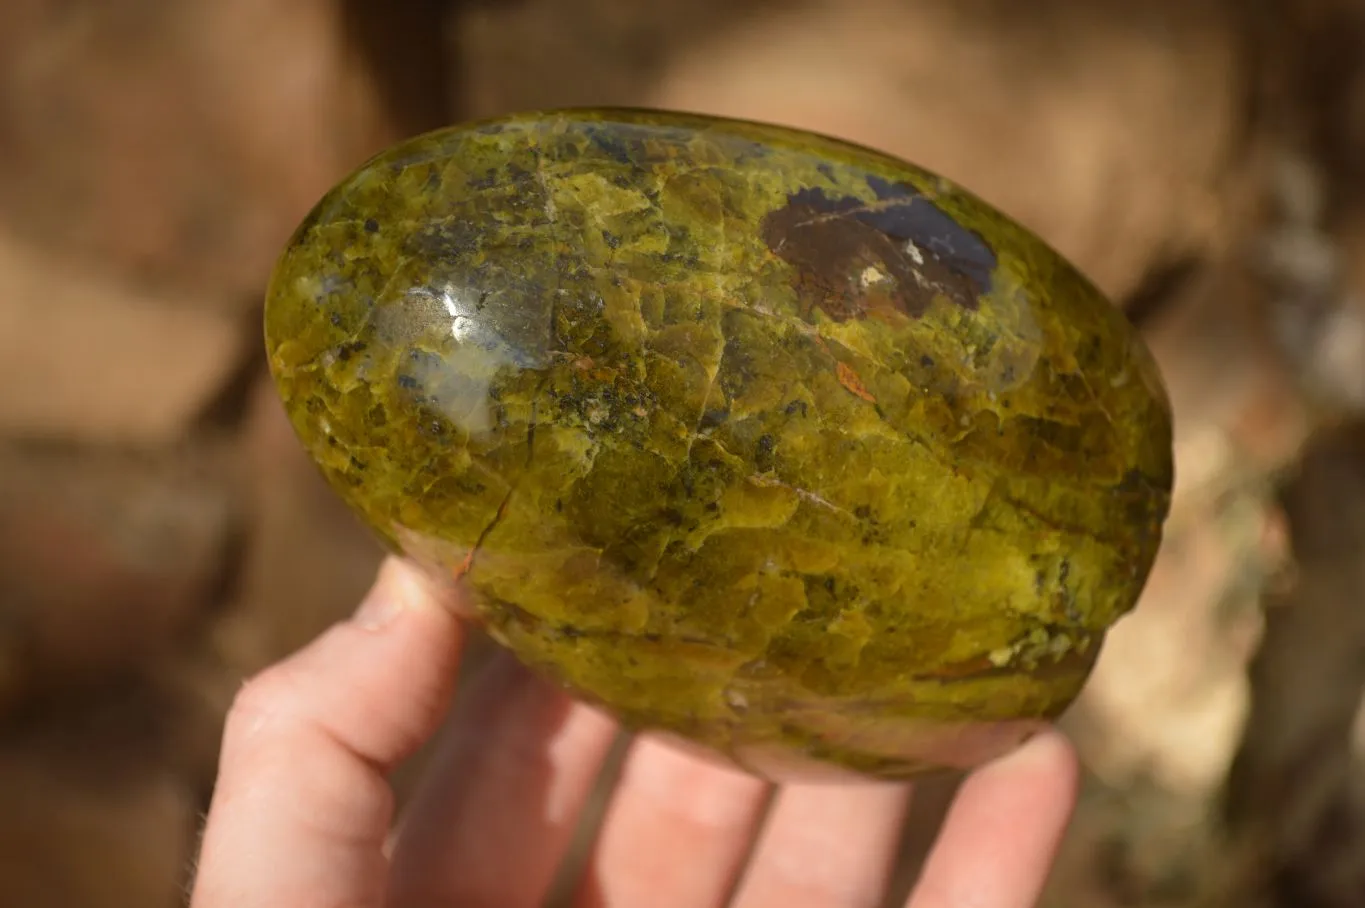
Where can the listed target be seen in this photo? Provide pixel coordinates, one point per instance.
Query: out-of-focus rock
(1307, 261)
(1239, 413)
(1296, 792)
(1312, 86)
(105, 558)
(1112, 129)
(1141, 845)
(84, 358)
(1324, 333)
(528, 54)
(178, 140)
(406, 49)
(74, 833)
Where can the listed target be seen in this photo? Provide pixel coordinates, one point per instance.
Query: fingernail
(1048, 749)
(403, 587)
(378, 609)
(383, 603)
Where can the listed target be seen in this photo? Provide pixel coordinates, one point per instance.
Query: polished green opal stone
(773, 443)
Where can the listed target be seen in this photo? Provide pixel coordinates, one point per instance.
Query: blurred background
(162, 535)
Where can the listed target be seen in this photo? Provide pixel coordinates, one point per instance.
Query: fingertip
(1048, 757)
(1002, 833)
(401, 586)
(826, 845)
(669, 802)
(503, 795)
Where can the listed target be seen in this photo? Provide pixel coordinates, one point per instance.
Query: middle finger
(831, 846)
(676, 834)
(495, 815)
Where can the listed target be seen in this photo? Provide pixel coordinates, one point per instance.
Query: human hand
(302, 815)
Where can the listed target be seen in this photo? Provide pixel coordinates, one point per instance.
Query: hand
(302, 815)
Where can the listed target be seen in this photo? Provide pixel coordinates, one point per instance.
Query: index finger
(302, 807)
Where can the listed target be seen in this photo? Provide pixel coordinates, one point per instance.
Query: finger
(677, 832)
(1002, 833)
(493, 819)
(827, 845)
(302, 806)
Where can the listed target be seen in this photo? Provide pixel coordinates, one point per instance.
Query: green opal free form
(768, 441)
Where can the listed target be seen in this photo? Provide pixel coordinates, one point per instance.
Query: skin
(303, 815)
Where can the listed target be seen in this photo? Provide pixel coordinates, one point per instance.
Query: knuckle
(262, 699)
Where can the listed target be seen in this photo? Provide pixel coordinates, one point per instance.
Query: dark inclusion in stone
(831, 242)
(770, 442)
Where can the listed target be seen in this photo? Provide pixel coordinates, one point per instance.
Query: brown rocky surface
(1295, 793)
(177, 141)
(106, 559)
(96, 815)
(89, 359)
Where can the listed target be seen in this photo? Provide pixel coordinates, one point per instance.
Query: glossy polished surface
(765, 440)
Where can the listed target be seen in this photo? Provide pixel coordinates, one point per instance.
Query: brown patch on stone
(885, 259)
(850, 380)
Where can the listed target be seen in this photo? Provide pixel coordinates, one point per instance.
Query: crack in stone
(1062, 526)
(706, 395)
(501, 512)
(1095, 399)
(803, 494)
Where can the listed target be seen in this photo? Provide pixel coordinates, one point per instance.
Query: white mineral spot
(871, 275)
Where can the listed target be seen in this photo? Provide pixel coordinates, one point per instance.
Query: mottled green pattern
(754, 436)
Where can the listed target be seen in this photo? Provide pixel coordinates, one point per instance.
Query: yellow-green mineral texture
(759, 439)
